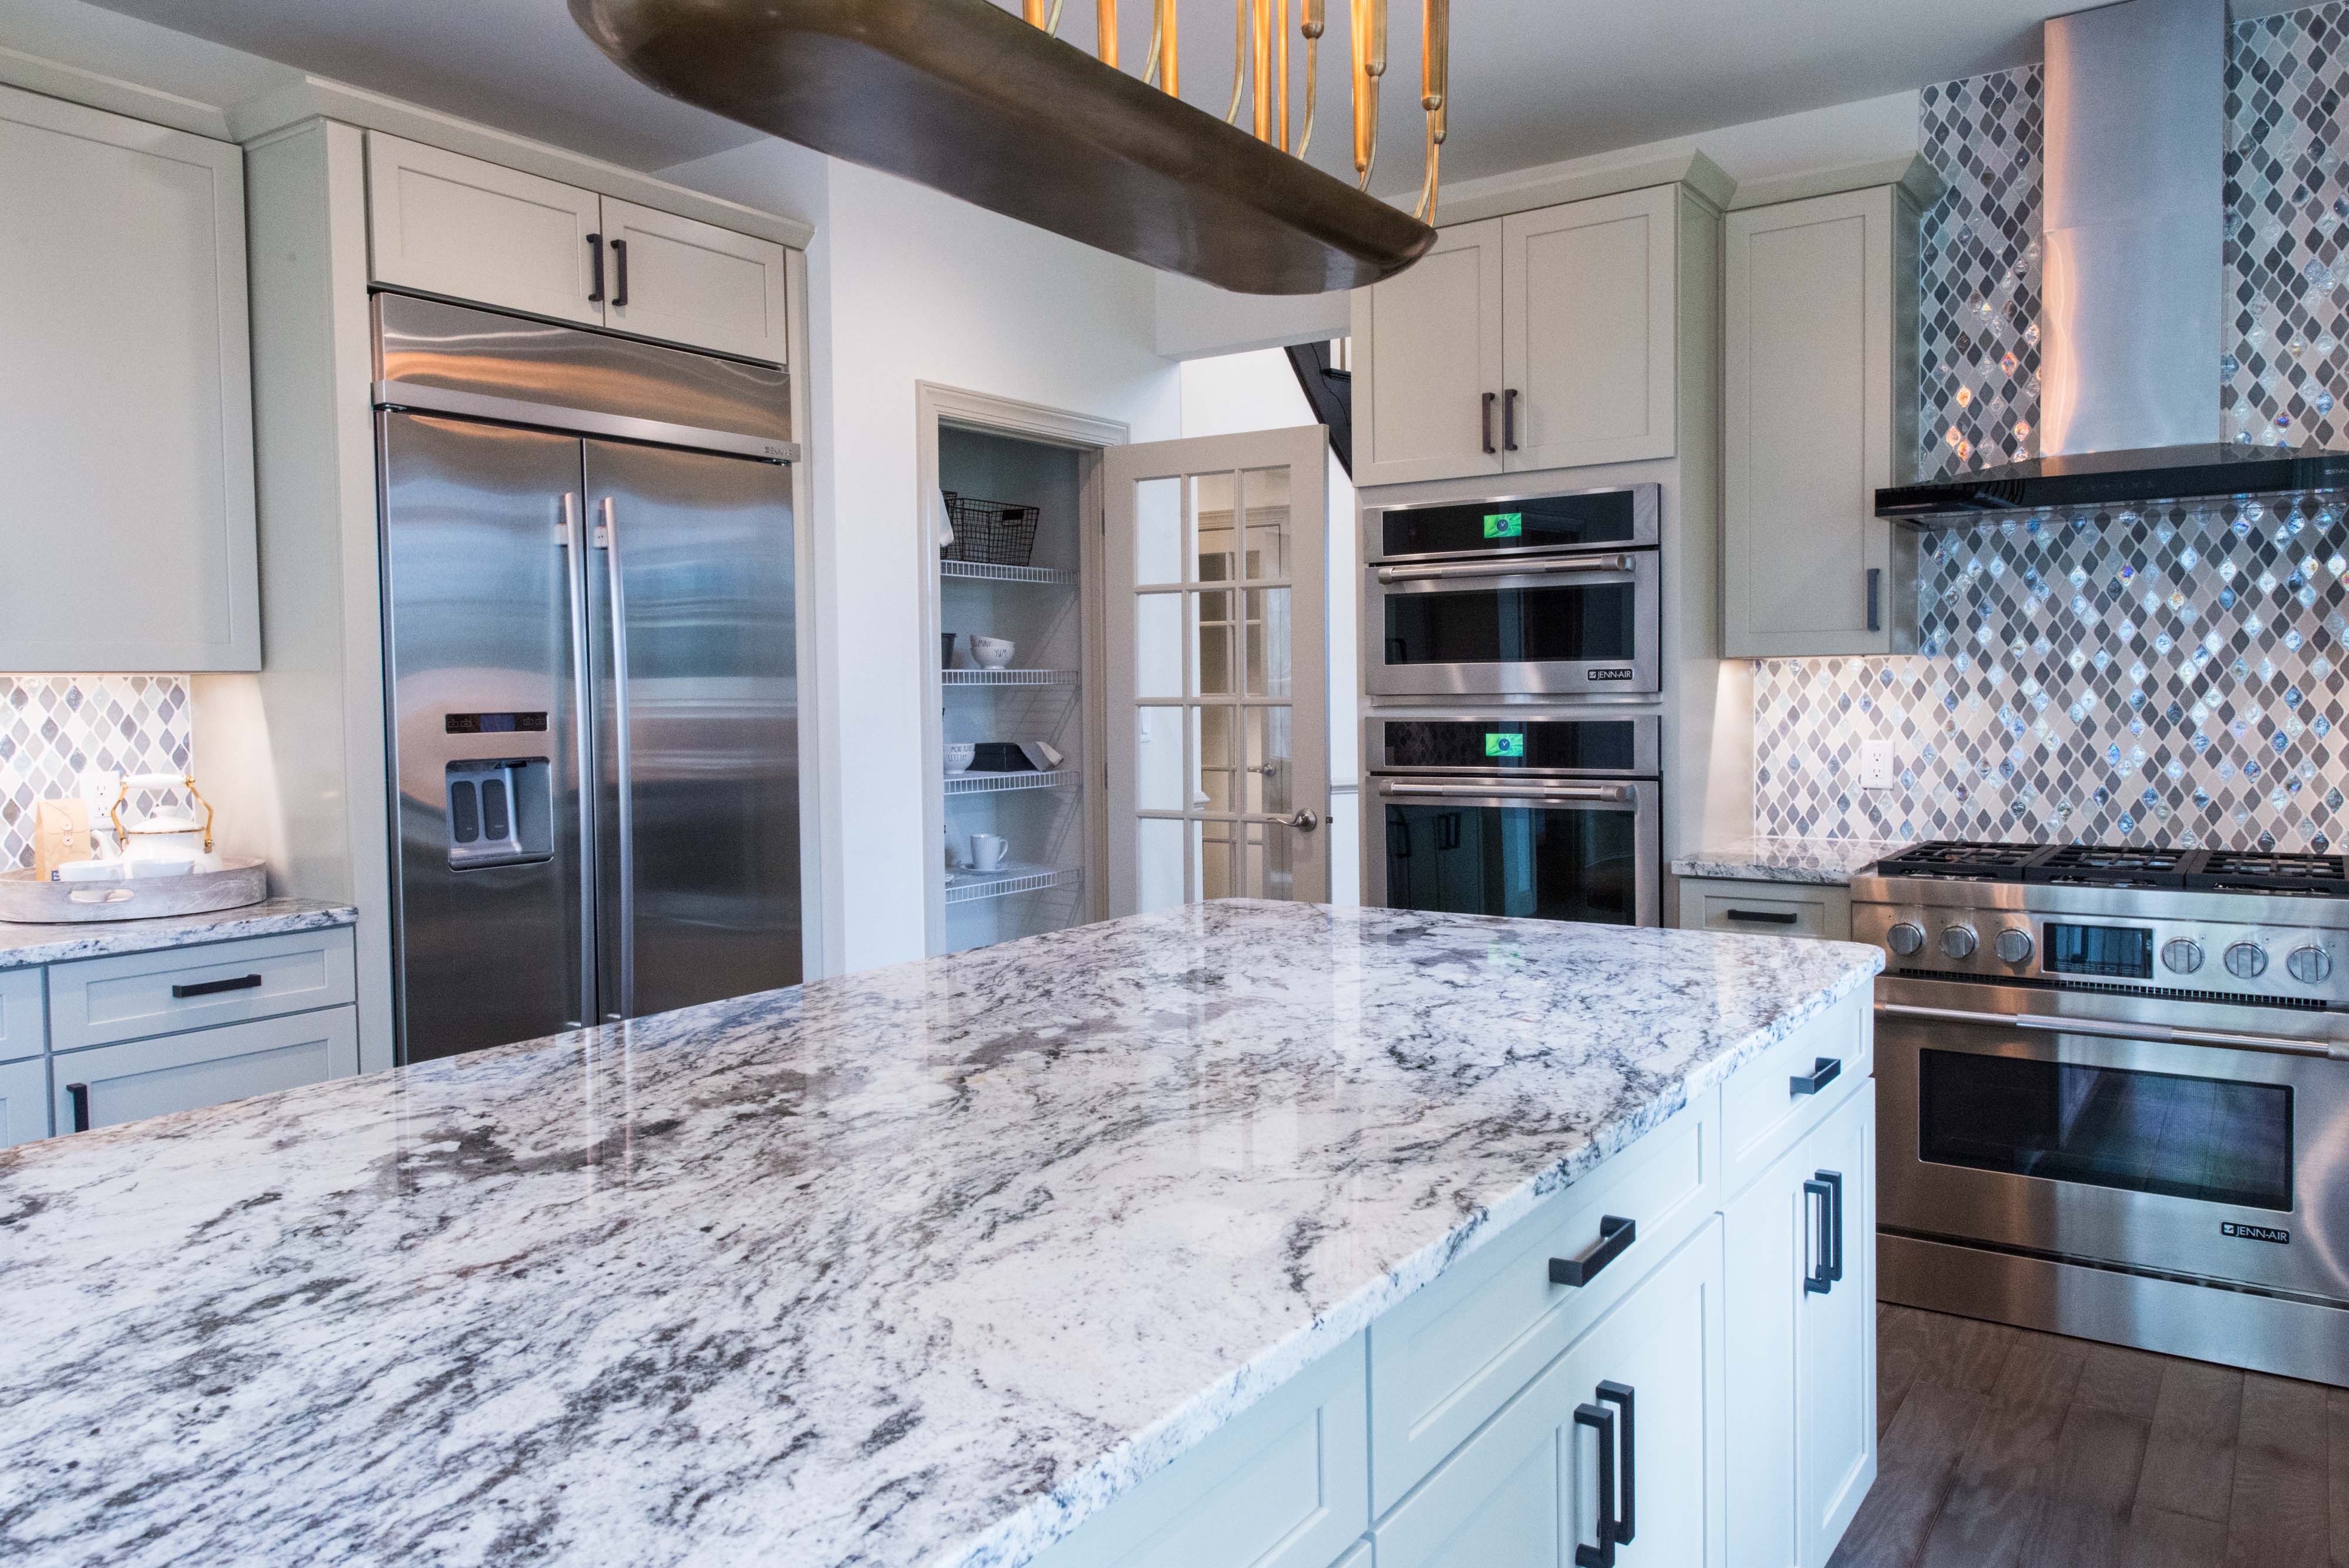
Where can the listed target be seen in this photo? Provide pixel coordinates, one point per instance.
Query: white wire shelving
(991, 784)
(970, 886)
(988, 571)
(1008, 677)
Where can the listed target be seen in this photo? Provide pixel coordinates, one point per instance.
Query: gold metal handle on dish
(122, 794)
(1105, 26)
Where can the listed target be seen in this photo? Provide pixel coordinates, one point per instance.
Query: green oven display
(1504, 745)
(1505, 524)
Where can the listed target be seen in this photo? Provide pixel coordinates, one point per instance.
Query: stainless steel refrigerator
(589, 644)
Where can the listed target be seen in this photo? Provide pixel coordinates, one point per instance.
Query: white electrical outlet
(1876, 765)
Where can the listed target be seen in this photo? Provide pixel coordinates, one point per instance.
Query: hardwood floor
(2007, 1448)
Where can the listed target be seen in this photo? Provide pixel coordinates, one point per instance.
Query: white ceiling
(1533, 81)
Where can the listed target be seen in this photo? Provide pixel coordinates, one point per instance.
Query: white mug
(986, 851)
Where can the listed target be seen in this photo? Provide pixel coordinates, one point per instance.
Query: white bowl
(958, 755)
(991, 652)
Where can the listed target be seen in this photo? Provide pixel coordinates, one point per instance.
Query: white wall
(906, 285)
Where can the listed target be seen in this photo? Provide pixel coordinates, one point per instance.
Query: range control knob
(2310, 966)
(2013, 946)
(1959, 943)
(1907, 939)
(2180, 955)
(2247, 960)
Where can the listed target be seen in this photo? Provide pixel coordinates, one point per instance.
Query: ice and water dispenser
(500, 812)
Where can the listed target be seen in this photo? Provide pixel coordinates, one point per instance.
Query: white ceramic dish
(958, 755)
(991, 652)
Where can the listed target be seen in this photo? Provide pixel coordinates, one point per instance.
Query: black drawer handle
(620, 265)
(214, 987)
(1833, 1178)
(78, 1094)
(596, 254)
(1614, 1233)
(1622, 1394)
(1825, 1070)
(1763, 917)
(1489, 447)
(1600, 1421)
(1819, 1279)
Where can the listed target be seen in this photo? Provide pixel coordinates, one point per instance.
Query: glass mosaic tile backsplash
(53, 727)
(2166, 675)
(2170, 675)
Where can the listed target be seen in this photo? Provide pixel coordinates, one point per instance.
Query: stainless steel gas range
(2115, 1095)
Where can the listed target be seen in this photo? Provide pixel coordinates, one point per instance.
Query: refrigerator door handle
(607, 539)
(581, 745)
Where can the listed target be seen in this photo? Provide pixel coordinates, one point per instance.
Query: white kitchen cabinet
(1589, 302)
(684, 281)
(1765, 908)
(1428, 347)
(1819, 412)
(440, 222)
(1536, 340)
(1283, 1486)
(23, 1016)
(125, 411)
(128, 996)
(1645, 1384)
(111, 1084)
(1801, 1268)
(23, 1101)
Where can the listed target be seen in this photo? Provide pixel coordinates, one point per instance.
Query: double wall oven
(1508, 646)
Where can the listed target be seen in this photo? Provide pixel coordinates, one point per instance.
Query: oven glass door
(1572, 626)
(1588, 853)
(2182, 1159)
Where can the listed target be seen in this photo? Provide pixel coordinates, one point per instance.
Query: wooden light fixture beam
(972, 100)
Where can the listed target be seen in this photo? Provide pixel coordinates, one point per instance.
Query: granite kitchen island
(936, 1264)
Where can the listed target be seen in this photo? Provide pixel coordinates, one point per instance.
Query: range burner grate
(2271, 873)
(2122, 865)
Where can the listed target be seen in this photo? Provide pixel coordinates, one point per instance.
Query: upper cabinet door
(1591, 313)
(1820, 326)
(126, 407)
(444, 223)
(683, 281)
(1427, 370)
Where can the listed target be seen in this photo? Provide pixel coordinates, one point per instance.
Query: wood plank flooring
(2007, 1448)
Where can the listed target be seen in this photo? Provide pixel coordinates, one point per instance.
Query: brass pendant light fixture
(970, 99)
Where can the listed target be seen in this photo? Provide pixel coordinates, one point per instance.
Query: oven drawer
(99, 1001)
(1764, 1110)
(1564, 849)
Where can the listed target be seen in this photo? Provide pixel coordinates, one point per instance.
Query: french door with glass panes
(1218, 668)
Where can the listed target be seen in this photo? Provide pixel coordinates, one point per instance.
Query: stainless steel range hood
(2133, 290)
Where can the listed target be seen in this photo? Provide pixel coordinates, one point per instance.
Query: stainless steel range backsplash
(2172, 674)
(55, 727)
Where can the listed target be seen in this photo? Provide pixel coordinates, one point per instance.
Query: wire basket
(992, 533)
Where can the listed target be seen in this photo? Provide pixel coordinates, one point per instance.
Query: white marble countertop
(919, 1266)
(1822, 862)
(23, 945)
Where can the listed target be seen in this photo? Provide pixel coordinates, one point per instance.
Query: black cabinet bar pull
(1876, 599)
(1825, 1070)
(80, 1094)
(1817, 1281)
(1509, 419)
(1489, 423)
(1834, 1180)
(1622, 1394)
(620, 284)
(1614, 1233)
(1601, 1420)
(214, 987)
(1763, 917)
(595, 277)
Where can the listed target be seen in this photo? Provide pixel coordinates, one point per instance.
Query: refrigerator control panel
(501, 812)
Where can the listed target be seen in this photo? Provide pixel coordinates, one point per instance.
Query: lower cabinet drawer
(1281, 1486)
(22, 1028)
(1767, 909)
(1776, 1098)
(1638, 1401)
(208, 1067)
(1444, 1360)
(97, 1001)
(23, 1101)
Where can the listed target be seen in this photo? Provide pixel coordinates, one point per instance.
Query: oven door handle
(1574, 564)
(1564, 794)
(2225, 1039)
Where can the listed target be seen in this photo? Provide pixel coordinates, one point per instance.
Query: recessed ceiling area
(1533, 81)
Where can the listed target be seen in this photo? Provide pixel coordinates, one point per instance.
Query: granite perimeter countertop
(23, 945)
(1823, 862)
(918, 1266)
